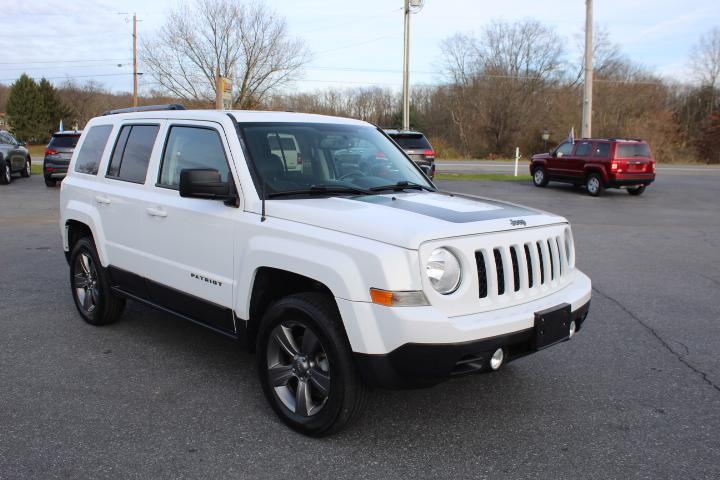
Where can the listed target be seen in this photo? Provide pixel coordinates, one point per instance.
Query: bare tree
(247, 42)
(705, 59)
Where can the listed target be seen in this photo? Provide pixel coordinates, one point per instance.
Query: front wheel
(594, 185)
(540, 178)
(27, 171)
(6, 174)
(306, 367)
(90, 286)
(636, 191)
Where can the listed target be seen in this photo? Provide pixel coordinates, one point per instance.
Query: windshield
(327, 159)
(64, 141)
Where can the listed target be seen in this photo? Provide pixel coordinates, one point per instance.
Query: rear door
(189, 241)
(576, 162)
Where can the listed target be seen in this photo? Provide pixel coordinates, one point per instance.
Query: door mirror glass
(204, 183)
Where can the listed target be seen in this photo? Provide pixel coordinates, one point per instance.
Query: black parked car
(57, 155)
(14, 158)
(417, 147)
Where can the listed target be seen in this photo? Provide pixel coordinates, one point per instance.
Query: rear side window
(601, 150)
(90, 154)
(583, 149)
(64, 141)
(191, 147)
(132, 152)
(412, 142)
(629, 150)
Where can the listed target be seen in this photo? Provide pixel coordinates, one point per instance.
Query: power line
(74, 77)
(67, 61)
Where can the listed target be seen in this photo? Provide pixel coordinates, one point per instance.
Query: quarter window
(132, 152)
(90, 154)
(191, 147)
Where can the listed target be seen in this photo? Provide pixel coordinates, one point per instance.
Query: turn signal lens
(398, 299)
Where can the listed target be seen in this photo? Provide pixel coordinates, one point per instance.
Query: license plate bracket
(552, 326)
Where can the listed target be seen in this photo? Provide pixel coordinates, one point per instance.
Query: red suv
(598, 164)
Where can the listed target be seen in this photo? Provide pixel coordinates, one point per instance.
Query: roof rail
(614, 139)
(146, 108)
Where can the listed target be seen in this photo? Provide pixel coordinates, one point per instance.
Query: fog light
(573, 327)
(497, 359)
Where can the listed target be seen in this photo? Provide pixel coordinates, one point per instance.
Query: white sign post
(517, 159)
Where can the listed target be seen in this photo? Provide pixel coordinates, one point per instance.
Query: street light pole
(406, 69)
(587, 94)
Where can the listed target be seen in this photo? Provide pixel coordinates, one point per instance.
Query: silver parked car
(14, 158)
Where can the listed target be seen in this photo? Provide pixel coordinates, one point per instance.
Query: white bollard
(517, 159)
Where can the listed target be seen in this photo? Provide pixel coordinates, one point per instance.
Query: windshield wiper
(321, 190)
(403, 185)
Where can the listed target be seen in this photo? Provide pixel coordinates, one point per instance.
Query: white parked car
(338, 279)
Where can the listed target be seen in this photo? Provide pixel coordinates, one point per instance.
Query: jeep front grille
(507, 269)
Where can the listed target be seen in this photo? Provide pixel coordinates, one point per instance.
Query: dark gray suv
(417, 147)
(57, 155)
(14, 158)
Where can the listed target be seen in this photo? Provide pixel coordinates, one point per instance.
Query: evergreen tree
(51, 110)
(23, 106)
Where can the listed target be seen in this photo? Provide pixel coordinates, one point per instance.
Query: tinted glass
(601, 150)
(90, 154)
(628, 150)
(4, 138)
(583, 149)
(10, 139)
(136, 153)
(412, 142)
(116, 158)
(192, 147)
(332, 155)
(64, 141)
(566, 148)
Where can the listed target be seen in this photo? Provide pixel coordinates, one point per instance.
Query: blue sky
(353, 43)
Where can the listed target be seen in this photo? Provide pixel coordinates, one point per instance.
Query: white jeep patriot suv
(345, 270)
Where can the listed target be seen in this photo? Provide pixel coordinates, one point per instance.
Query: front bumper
(415, 365)
(386, 341)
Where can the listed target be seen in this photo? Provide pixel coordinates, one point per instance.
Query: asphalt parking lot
(635, 395)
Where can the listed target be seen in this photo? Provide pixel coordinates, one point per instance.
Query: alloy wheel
(8, 174)
(85, 282)
(298, 368)
(593, 185)
(28, 168)
(539, 175)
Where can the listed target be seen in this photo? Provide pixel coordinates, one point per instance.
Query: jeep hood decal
(407, 219)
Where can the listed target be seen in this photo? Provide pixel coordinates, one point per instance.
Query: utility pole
(135, 65)
(406, 69)
(218, 89)
(587, 94)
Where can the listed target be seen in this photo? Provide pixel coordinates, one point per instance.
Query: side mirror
(557, 154)
(427, 170)
(204, 183)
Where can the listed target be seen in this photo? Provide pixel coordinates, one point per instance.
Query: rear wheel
(27, 171)
(91, 287)
(306, 367)
(50, 182)
(5, 174)
(636, 191)
(594, 185)
(540, 178)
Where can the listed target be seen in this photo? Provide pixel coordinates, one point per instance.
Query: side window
(90, 154)
(583, 149)
(601, 150)
(191, 147)
(132, 152)
(565, 149)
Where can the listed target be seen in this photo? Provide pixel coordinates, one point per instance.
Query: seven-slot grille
(507, 269)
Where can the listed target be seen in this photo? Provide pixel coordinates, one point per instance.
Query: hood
(541, 156)
(409, 219)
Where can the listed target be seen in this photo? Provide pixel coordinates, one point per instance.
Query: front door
(190, 240)
(558, 164)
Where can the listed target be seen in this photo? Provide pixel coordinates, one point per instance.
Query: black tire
(98, 305)
(5, 173)
(331, 371)
(50, 182)
(594, 185)
(636, 191)
(27, 171)
(540, 177)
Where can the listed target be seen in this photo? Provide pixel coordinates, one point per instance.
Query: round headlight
(443, 271)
